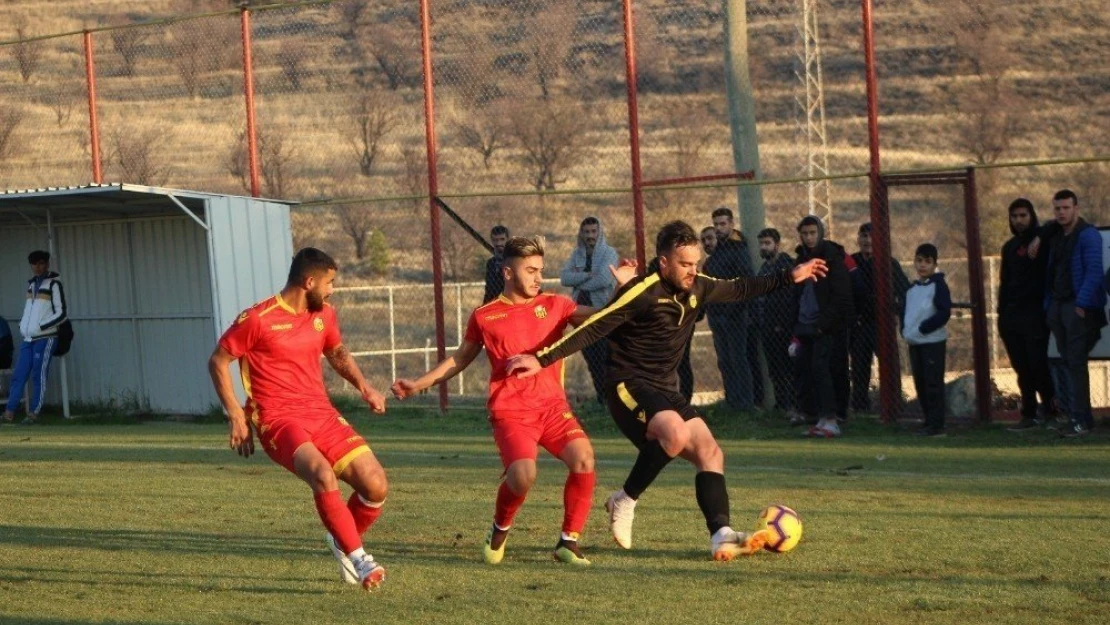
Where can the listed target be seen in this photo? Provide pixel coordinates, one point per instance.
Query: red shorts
(519, 434)
(335, 438)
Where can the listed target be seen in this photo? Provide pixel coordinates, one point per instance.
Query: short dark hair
(38, 256)
(589, 221)
(926, 250)
(499, 229)
(524, 247)
(769, 233)
(722, 210)
(1020, 203)
(811, 220)
(708, 229)
(674, 235)
(1066, 194)
(864, 228)
(307, 262)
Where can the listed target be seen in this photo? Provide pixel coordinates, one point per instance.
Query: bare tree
(988, 110)
(10, 119)
(139, 155)
(551, 138)
(63, 103)
(128, 43)
(27, 54)
(277, 164)
(356, 220)
(548, 40)
(415, 177)
(397, 54)
(290, 58)
(482, 130)
(374, 118)
(192, 61)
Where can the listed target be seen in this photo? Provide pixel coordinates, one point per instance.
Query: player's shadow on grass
(154, 541)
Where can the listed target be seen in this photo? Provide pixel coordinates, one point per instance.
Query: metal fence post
(433, 187)
(634, 131)
(248, 92)
(982, 363)
(94, 127)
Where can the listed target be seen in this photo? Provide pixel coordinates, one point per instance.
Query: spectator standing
(864, 335)
(1021, 317)
(772, 320)
(587, 273)
(729, 321)
(495, 282)
(43, 313)
(928, 307)
(1075, 301)
(823, 312)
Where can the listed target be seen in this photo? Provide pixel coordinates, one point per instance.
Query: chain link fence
(531, 111)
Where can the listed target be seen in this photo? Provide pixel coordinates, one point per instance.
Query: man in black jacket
(729, 322)
(864, 336)
(648, 325)
(1021, 319)
(495, 282)
(824, 310)
(772, 318)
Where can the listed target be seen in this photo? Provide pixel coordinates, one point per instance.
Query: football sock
(337, 518)
(578, 498)
(712, 499)
(651, 461)
(364, 512)
(508, 503)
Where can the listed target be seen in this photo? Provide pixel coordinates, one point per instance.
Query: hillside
(174, 94)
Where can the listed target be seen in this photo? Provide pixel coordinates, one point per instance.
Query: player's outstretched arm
(447, 368)
(240, 437)
(523, 366)
(625, 271)
(341, 360)
(810, 270)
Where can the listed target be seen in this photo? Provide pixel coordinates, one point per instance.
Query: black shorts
(632, 404)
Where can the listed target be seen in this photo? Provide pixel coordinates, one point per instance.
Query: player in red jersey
(278, 343)
(526, 414)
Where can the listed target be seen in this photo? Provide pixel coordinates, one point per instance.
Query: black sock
(649, 464)
(712, 499)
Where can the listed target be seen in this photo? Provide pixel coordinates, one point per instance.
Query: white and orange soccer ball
(785, 526)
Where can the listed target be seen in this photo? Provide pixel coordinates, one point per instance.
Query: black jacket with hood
(834, 293)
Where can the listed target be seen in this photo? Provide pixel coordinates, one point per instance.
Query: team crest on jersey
(242, 317)
(693, 301)
(343, 421)
(541, 312)
(318, 323)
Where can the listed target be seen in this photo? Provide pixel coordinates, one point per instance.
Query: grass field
(159, 523)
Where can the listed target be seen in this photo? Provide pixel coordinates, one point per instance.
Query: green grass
(160, 523)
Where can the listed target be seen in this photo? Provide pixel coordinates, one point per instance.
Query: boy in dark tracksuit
(928, 307)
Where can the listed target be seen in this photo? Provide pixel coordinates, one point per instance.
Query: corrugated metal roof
(101, 202)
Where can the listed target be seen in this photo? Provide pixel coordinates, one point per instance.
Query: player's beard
(315, 301)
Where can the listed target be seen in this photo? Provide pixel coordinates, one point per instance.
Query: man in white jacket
(43, 312)
(587, 273)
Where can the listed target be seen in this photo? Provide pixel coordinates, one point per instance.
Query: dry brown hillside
(530, 96)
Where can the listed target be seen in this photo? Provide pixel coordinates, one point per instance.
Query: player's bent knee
(520, 476)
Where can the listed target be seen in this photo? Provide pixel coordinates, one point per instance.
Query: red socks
(508, 504)
(364, 512)
(578, 498)
(338, 520)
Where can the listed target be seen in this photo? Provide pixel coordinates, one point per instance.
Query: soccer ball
(785, 526)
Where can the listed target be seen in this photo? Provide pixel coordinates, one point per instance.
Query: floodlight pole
(94, 127)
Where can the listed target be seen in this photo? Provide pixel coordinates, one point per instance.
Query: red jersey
(507, 329)
(279, 357)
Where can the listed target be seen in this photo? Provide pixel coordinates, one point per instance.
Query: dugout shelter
(151, 275)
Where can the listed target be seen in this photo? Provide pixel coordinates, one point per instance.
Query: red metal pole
(433, 187)
(980, 346)
(94, 126)
(890, 383)
(634, 131)
(248, 92)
